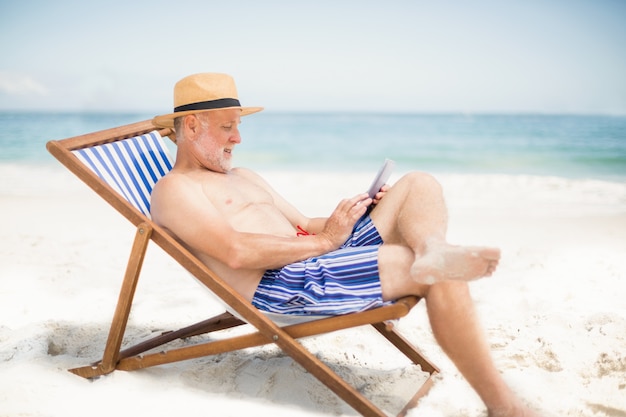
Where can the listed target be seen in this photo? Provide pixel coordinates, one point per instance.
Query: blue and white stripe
(340, 282)
(364, 233)
(130, 166)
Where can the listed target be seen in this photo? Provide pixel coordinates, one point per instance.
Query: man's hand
(380, 194)
(341, 222)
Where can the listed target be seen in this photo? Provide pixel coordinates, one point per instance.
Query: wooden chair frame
(265, 330)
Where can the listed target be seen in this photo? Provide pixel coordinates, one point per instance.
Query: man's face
(219, 133)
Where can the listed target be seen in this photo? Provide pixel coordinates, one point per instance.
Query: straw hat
(203, 92)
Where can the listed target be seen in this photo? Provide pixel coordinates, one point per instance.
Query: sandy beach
(554, 313)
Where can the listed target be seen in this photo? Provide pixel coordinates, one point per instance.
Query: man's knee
(448, 292)
(420, 181)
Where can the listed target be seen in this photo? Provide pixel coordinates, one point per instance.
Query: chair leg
(351, 396)
(426, 386)
(220, 322)
(411, 352)
(405, 347)
(122, 310)
(330, 378)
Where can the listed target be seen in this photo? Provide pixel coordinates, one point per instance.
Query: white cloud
(20, 84)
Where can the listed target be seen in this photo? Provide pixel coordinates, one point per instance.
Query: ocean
(570, 146)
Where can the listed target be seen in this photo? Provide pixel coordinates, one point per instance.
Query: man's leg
(412, 219)
(455, 327)
(458, 332)
(414, 214)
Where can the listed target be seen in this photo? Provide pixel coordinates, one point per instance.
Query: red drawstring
(302, 232)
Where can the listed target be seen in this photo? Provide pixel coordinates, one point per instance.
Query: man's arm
(313, 225)
(180, 206)
(316, 224)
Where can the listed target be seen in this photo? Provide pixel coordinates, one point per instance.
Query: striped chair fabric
(130, 166)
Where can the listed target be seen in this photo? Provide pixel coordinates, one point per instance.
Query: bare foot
(447, 262)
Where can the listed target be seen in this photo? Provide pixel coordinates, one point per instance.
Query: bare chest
(246, 205)
(233, 194)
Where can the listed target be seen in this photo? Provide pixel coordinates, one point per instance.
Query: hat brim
(167, 120)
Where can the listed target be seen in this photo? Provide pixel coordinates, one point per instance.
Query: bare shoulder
(170, 193)
(171, 185)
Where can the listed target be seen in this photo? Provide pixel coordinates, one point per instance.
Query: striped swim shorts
(342, 281)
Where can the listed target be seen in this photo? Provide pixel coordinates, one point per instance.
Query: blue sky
(546, 56)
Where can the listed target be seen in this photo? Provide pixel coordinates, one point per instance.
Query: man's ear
(191, 125)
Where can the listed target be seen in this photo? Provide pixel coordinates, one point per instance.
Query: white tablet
(381, 178)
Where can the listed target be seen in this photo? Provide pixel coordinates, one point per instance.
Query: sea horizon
(565, 145)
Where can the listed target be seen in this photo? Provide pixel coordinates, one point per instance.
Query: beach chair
(122, 165)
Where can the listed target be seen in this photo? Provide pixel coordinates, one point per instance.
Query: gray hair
(178, 126)
(202, 117)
